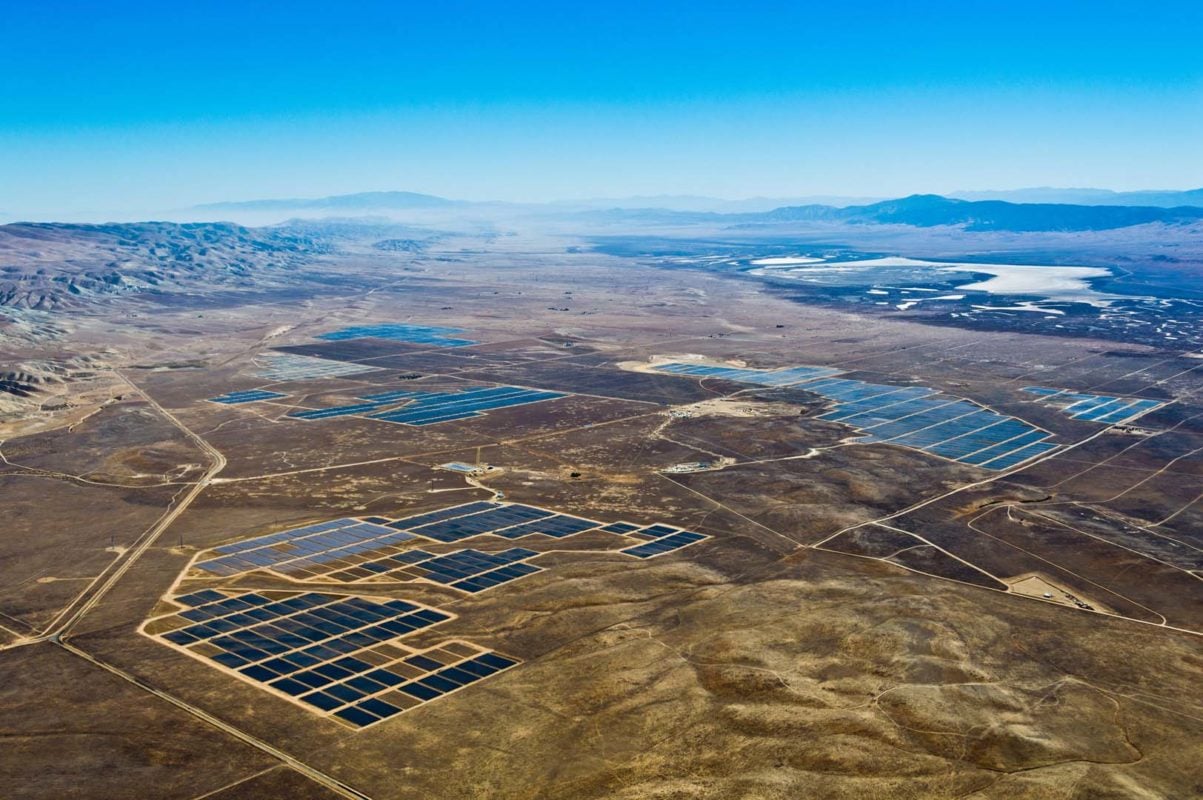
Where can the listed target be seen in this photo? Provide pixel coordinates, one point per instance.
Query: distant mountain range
(930, 210)
(1089, 197)
(401, 201)
(700, 203)
(341, 202)
(924, 211)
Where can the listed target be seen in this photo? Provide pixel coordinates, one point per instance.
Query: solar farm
(247, 396)
(434, 335)
(288, 367)
(760, 377)
(333, 655)
(352, 550)
(1102, 408)
(428, 408)
(342, 656)
(916, 417)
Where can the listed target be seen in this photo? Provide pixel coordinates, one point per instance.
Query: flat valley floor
(857, 619)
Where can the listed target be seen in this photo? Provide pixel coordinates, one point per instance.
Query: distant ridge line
(919, 210)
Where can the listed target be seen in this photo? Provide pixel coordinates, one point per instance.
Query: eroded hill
(53, 265)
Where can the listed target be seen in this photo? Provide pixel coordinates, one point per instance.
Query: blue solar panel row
(350, 550)
(414, 334)
(443, 513)
(332, 654)
(883, 426)
(310, 551)
(515, 520)
(1087, 405)
(763, 377)
(984, 455)
(248, 396)
(859, 396)
(665, 544)
(475, 571)
(1016, 457)
(428, 408)
(453, 530)
(1136, 409)
(444, 407)
(864, 408)
(959, 448)
(952, 428)
(620, 527)
(917, 417)
(1118, 410)
(557, 526)
(1104, 409)
(467, 570)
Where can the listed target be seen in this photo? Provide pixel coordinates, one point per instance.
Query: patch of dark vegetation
(872, 540)
(622, 384)
(400, 246)
(16, 388)
(933, 561)
(351, 349)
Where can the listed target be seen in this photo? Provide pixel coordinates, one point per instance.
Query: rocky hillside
(48, 266)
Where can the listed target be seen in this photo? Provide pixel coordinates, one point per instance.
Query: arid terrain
(857, 617)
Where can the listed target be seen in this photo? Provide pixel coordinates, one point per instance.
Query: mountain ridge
(364, 200)
(931, 210)
(918, 210)
(1167, 198)
(52, 265)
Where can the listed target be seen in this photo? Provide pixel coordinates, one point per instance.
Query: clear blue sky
(124, 106)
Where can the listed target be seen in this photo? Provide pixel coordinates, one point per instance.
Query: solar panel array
(414, 334)
(289, 367)
(1101, 408)
(429, 408)
(334, 655)
(312, 551)
(341, 655)
(762, 377)
(663, 542)
(350, 550)
(246, 396)
(909, 416)
(468, 570)
(926, 420)
(517, 520)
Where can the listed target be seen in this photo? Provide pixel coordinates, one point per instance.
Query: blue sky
(123, 107)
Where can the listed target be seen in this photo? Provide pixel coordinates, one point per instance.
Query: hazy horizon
(118, 113)
(229, 210)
